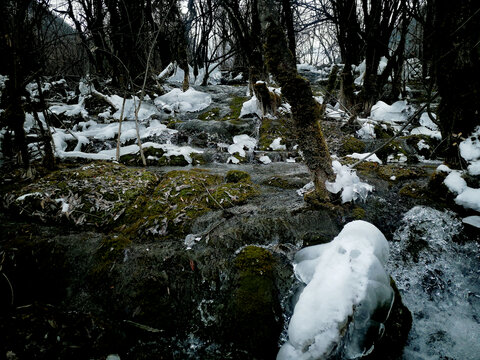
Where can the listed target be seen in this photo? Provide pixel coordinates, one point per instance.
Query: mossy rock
(384, 131)
(235, 176)
(281, 183)
(394, 148)
(272, 128)
(352, 145)
(95, 194)
(236, 104)
(253, 309)
(436, 186)
(154, 157)
(358, 213)
(400, 173)
(212, 114)
(178, 199)
(413, 190)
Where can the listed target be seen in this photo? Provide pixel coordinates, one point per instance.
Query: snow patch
(251, 106)
(348, 182)
(344, 279)
(372, 158)
(275, 145)
(241, 143)
(188, 101)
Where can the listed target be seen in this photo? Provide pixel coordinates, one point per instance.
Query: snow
(232, 160)
(265, 159)
(145, 112)
(455, 183)
(348, 182)
(422, 130)
(307, 67)
(178, 76)
(251, 106)
(397, 112)
(472, 220)
(470, 148)
(474, 168)
(240, 143)
(188, 101)
(422, 145)
(427, 122)
(469, 198)
(34, 194)
(275, 145)
(372, 158)
(344, 278)
(367, 131)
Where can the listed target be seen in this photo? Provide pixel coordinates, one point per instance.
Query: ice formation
(240, 143)
(345, 284)
(251, 107)
(188, 101)
(348, 182)
(397, 112)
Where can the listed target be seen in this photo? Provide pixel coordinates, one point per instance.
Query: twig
(208, 192)
(143, 327)
(11, 287)
(412, 117)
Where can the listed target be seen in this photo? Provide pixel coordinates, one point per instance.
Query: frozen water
(348, 182)
(372, 158)
(345, 284)
(188, 101)
(438, 281)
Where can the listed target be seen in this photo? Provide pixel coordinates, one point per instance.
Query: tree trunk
(307, 113)
(457, 54)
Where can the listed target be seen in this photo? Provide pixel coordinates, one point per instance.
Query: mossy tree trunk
(457, 67)
(307, 113)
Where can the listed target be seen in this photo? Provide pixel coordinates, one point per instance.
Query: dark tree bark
(307, 113)
(456, 44)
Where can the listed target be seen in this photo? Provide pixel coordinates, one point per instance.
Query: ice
(372, 158)
(367, 131)
(423, 145)
(178, 76)
(438, 280)
(251, 107)
(348, 182)
(275, 145)
(455, 182)
(188, 101)
(472, 220)
(469, 199)
(422, 130)
(345, 279)
(397, 112)
(265, 159)
(427, 122)
(474, 168)
(240, 143)
(146, 109)
(470, 148)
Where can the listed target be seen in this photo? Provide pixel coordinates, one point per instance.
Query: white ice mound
(188, 101)
(346, 284)
(348, 182)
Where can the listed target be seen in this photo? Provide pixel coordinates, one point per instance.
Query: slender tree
(307, 113)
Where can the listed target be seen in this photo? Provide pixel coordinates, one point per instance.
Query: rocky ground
(193, 259)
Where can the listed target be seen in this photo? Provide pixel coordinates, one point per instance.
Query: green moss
(212, 114)
(412, 190)
(352, 145)
(179, 198)
(382, 133)
(97, 193)
(281, 126)
(111, 250)
(235, 176)
(198, 159)
(386, 172)
(254, 303)
(358, 213)
(281, 183)
(394, 148)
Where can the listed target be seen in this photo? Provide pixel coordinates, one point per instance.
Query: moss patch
(212, 114)
(179, 198)
(281, 126)
(352, 145)
(254, 305)
(281, 183)
(95, 194)
(235, 176)
(386, 172)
